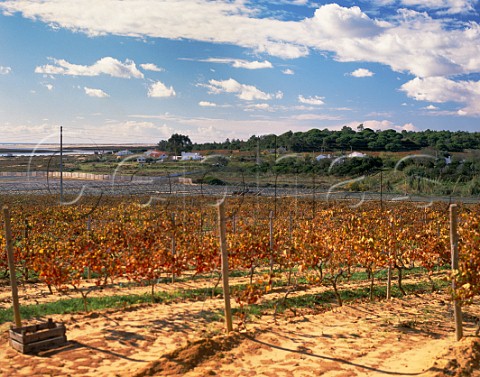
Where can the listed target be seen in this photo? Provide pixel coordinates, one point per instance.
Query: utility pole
(61, 164)
(381, 189)
(275, 148)
(258, 151)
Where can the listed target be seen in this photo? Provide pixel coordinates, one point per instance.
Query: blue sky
(137, 71)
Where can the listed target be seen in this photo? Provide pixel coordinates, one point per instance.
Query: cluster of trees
(364, 139)
(176, 144)
(464, 171)
(308, 165)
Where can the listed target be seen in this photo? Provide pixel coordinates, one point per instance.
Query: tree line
(364, 139)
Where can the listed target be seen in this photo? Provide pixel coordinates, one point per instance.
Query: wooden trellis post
(223, 248)
(457, 310)
(173, 244)
(11, 267)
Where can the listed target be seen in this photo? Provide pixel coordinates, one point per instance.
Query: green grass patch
(325, 300)
(75, 305)
(359, 276)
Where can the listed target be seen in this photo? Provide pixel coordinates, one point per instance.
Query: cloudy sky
(118, 71)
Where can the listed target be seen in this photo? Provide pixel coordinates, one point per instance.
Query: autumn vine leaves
(142, 243)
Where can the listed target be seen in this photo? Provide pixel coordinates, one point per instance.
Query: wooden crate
(34, 338)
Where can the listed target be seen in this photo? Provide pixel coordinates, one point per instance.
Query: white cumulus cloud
(207, 104)
(333, 20)
(440, 6)
(362, 72)
(288, 71)
(448, 6)
(105, 66)
(408, 41)
(5, 70)
(242, 91)
(409, 127)
(315, 100)
(240, 63)
(257, 106)
(151, 67)
(441, 90)
(99, 93)
(309, 117)
(159, 90)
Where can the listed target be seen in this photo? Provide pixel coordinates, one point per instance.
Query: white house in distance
(156, 155)
(188, 156)
(356, 154)
(323, 156)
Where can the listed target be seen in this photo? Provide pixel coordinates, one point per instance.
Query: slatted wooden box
(34, 338)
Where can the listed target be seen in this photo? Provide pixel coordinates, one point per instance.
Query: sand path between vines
(412, 336)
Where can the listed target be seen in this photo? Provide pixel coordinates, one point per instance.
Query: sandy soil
(412, 336)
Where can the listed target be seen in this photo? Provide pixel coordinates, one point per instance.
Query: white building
(356, 154)
(187, 156)
(323, 156)
(156, 155)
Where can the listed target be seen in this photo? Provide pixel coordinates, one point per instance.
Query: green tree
(176, 144)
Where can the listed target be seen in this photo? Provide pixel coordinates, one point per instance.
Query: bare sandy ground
(412, 336)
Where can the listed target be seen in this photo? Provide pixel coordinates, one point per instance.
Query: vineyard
(278, 250)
